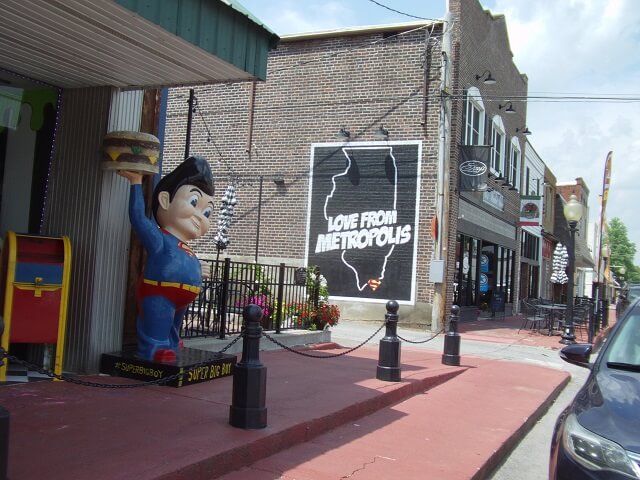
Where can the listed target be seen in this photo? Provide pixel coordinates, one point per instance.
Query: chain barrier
(176, 376)
(160, 381)
(421, 341)
(304, 354)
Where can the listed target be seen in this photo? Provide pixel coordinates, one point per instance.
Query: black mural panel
(363, 219)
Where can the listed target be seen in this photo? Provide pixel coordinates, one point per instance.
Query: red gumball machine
(35, 291)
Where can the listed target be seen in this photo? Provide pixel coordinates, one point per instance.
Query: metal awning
(132, 43)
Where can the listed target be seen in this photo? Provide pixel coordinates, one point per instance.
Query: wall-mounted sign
(530, 210)
(484, 283)
(363, 218)
(473, 167)
(484, 263)
(493, 198)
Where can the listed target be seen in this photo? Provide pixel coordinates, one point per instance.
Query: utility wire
(506, 97)
(403, 13)
(414, 96)
(232, 174)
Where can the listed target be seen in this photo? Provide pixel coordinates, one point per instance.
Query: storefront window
(467, 270)
(487, 274)
(482, 268)
(27, 126)
(505, 272)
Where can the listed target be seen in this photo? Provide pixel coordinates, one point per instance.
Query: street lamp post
(622, 302)
(600, 286)
(621, 271)
(605, 254)
(573, 214)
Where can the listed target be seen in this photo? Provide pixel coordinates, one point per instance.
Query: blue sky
(587, 47)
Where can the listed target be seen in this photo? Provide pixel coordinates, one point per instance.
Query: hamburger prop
(135, 151)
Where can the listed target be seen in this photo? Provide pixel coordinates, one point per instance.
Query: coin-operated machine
(35, 290)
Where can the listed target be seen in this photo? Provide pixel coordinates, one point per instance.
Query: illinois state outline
(359, 180)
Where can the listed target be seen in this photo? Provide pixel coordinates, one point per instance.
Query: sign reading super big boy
(362, 222)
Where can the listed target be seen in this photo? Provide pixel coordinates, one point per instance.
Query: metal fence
(280, 290)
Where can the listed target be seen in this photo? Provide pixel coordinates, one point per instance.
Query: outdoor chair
(531, 318)
(581, 321)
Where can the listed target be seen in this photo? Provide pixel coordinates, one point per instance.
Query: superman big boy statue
(182, 206)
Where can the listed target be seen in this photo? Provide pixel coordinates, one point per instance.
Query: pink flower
(260, 300)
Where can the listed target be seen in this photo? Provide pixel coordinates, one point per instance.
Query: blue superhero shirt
(171, 265)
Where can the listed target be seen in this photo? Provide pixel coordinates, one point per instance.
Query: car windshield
(634, 292)
(624, 348)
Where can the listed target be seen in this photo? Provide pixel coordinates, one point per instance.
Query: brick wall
(479, 43)
(314, 86)
(359, 80)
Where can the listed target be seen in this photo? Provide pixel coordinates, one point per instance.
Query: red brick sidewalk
(509, 330)
(66, 431)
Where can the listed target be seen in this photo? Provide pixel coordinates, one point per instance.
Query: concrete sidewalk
(327, 418)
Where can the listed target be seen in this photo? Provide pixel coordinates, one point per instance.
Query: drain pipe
(439, 255)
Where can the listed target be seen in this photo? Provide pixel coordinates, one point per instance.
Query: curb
(321, 346)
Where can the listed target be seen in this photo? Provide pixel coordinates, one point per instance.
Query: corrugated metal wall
(114, 228)
(90, 206)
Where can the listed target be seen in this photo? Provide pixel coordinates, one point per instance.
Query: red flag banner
(606, 181)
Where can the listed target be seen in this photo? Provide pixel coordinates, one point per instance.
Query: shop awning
(132, 43)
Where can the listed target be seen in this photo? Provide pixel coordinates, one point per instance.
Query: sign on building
(362, 222)
(474, 167)
(530, 211)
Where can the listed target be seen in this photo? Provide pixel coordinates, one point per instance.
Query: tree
(623, 250)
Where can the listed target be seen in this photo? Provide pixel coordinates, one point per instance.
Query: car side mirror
(577, 354)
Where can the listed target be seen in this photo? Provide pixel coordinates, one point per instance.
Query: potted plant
(326, 315)
(310, 317)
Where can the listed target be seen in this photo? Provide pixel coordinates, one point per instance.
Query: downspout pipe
(442, 188)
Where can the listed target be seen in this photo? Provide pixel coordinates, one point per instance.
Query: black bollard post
(389, 353)
(250, 376)
(451, 355)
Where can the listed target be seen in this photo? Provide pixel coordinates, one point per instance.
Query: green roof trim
(223, 28)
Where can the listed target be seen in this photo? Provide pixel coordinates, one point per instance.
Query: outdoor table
(550, 310)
